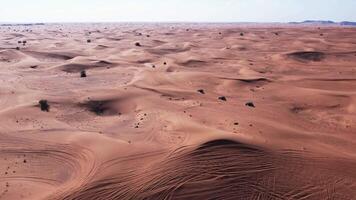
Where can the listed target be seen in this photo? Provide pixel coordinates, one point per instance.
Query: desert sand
(177, 111)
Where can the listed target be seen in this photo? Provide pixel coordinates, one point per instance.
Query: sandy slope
(138, 128)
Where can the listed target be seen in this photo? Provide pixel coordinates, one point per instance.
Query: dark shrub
(83, 74)
(44, 105)
(222, 98)
(201, 91)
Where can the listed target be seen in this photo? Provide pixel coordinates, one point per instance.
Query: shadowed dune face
(52, 56)
(195, 111)
(76, 67)
(308, 56)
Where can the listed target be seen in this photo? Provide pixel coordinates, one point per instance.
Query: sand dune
(177, 111)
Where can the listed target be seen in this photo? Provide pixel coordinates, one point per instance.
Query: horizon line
(178, 21)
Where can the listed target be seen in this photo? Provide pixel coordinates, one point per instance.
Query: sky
(29, 11)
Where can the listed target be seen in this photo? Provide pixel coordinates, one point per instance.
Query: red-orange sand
(138, 128)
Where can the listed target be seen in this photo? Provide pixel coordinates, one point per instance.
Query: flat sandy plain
(150, 122)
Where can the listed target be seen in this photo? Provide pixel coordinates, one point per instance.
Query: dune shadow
(314, 56)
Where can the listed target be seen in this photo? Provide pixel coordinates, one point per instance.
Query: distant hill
(325, 22)
(346, 23)
(318, 22)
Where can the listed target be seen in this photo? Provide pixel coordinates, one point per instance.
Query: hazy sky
(175, 10)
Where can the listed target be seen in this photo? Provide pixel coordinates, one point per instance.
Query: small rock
(88, 41)
(137, 44)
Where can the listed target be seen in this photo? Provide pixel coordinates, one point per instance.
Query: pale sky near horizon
(21, 11)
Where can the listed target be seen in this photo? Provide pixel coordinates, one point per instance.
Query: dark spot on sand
(137, 44)
(241, 34)
(101, 107)
(88, 41)
(297, 109)
(34, 66)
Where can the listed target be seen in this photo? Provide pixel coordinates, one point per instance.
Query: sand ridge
(195, 111)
